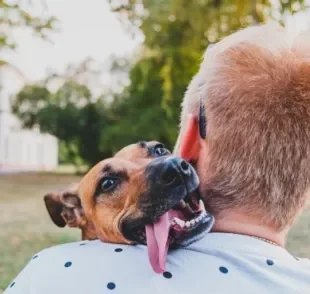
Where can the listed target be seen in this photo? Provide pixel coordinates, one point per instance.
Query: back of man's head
(255, 86)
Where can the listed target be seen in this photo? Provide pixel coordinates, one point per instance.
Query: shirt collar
(239, 243)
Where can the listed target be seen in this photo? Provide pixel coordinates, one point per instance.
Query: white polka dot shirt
(218, 263)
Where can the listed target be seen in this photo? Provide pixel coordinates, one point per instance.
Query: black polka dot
(296, 258)
(269, 262)
(167, 275)
(111, 286)
(81, 244)
(35, 257)
(12, 284)
(68, 264)
(223, 270)
(118, 250)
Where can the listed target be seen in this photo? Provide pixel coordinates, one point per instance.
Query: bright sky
(87, 29)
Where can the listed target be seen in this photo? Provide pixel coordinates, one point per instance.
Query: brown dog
(141, 195)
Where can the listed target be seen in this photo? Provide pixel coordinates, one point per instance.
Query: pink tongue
(158, 243)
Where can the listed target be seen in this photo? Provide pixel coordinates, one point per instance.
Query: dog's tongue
(157, 242)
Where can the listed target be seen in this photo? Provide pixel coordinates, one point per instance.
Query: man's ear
(65, 207)
(190, 143)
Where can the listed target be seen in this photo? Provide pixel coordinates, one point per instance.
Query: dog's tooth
(192, 222)
(182, 204)
(187, 224)
(180, 222)
(202, 206)
(188, 209)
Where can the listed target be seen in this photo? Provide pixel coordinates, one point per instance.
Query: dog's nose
(173, 170)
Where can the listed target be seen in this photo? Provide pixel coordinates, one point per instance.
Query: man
(246, 126)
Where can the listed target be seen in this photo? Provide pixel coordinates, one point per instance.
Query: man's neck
(238, 223)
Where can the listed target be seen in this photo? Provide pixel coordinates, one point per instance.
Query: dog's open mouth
(179, 226)
(173, 214)
(186, 217)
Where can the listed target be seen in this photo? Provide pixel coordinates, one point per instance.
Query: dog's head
(143, 195)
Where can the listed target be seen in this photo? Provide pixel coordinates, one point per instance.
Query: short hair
(256, 93)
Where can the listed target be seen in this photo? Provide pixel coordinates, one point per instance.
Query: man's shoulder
(82, 246)
(94, 265)
(76, 263)
(89, 251)
(304, 261)
(78, 256)
(60, 249)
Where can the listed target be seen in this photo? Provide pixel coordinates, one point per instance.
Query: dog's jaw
(88, 231)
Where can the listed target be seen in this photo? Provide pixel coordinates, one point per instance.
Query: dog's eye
(160, 150)
(108, 184)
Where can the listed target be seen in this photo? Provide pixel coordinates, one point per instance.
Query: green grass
(26, 227)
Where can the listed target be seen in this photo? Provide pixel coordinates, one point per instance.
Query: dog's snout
(173, 168)
(169, 180)
(185, 167)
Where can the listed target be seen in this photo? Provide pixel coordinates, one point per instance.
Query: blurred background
(81, 79)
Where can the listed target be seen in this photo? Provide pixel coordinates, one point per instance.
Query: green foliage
(29, 102)
(13, 16)
(68, 114)
(176, 34)
(93, 122)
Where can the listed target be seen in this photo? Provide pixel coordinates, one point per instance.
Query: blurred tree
(131, 120)
(176, 32)
(69, 114)
(14, 16)
(29, 102)
(93, 122)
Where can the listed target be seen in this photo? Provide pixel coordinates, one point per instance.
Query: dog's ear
(64, 207)
(54, 208)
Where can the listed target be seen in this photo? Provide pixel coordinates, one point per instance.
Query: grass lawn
(26, 227)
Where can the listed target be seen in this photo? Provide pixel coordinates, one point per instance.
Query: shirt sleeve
(22, 283)
(304, 261)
